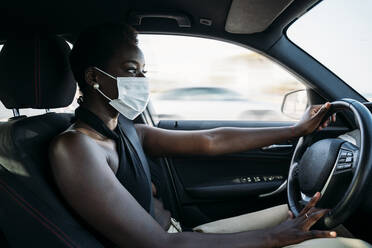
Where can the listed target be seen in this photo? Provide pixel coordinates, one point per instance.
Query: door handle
(281, 188)
(275, 147)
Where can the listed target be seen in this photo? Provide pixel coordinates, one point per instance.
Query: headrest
(35, 72)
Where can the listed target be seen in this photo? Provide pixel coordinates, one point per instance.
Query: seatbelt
(135, 148)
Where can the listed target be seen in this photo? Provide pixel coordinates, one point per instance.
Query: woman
(94, 168)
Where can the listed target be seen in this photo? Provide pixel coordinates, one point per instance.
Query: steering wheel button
(243, 180)
(346, 166)
(349, 154)
(343, 154)
(349, 159)
(340, 167)
(342, 160)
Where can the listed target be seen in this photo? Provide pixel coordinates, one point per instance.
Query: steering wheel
(337, 168)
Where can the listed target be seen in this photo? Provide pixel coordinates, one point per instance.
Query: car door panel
(214, 187)
(230, 175)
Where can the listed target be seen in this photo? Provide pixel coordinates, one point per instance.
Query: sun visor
(253, 16)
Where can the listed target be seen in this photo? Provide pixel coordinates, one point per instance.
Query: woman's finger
(323, 110)
(316, 108)
(325, 124)
(311, 204)
(320, 234)
(306, 216)
(334, 117)
(314, 217)
(290, 214)
(313, 210)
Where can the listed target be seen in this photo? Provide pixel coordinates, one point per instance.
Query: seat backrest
(32, 212)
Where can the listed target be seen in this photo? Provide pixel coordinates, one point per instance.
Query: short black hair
(96, 45)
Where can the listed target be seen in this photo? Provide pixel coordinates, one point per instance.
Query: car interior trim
(279, 190)
(253, 16)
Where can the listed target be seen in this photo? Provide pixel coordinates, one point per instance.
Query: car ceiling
(68, 17)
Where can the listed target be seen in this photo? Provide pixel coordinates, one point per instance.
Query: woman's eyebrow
(131, 61)
(138, 64)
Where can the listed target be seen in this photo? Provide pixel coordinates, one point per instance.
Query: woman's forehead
(130, 53)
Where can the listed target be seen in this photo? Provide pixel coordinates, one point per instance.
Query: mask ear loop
(104, 73)
(96, 87)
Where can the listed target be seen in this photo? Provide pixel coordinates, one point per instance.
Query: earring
(96, 86)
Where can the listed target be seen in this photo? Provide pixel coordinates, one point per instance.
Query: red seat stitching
(46, 221)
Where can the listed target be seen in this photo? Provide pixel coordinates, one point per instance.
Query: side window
(5, 113)
(202, 79)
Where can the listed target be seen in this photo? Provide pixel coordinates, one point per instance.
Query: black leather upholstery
(32, 213)
(35, 72)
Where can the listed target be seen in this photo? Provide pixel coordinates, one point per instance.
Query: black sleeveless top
(133, 171)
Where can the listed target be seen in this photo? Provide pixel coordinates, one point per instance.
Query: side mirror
(294, 104)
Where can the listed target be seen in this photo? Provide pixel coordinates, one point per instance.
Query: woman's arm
(218, 141)
(86, 181)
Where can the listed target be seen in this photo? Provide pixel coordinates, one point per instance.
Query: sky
(338, 33)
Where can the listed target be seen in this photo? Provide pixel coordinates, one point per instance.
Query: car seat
(35, 73)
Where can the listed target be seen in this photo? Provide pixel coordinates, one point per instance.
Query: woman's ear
(90, 76)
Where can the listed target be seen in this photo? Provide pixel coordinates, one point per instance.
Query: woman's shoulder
(70, 142)
(70, 136)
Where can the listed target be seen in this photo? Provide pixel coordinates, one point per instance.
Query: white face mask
(133, 96)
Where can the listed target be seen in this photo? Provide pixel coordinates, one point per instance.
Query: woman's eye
(133, 71)
(144, 72)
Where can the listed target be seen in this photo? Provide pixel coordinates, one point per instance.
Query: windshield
(338, 34)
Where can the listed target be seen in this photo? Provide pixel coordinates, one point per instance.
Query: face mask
(133, 97)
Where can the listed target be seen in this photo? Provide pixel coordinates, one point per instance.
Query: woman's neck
(103, 110)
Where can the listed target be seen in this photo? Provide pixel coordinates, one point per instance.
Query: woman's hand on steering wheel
(312, 119)
(297, 229)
